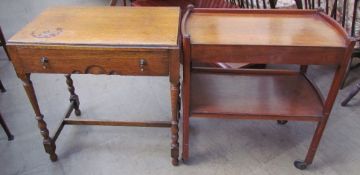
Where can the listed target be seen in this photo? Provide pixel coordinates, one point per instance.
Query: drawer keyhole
(44, 62)
(142, 64)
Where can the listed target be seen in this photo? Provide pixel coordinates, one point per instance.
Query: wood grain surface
(282, 95)
(253, 28)
(103, 26)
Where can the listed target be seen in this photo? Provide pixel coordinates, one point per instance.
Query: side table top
(112, 26)
(263, 27)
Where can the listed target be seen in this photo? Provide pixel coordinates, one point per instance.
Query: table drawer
(94, 61)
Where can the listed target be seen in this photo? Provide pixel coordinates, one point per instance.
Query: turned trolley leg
(6, 129)
(49, 144)
(175, 92)
(313, 146)
(186, 130)
(73, 97)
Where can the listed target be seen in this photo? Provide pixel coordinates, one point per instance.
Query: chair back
(245, 4)
(345, 11)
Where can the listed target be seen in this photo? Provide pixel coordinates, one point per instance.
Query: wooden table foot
(50, 148)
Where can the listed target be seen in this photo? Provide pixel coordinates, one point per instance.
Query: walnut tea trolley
(301, 37)
(100, 40)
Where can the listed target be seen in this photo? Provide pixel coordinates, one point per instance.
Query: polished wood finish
(212, 4)
(95, 60)
(282, 95)
(278, 28)
(100, 40)
(57, 26)
(272, 36)
(3, 43)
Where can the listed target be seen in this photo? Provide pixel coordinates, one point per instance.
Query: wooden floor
(217, 146)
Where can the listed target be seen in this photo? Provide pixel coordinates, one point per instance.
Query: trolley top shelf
(263, 27)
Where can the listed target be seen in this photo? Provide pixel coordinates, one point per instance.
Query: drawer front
(94, 61)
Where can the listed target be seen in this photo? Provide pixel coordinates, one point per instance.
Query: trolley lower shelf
(266, 96)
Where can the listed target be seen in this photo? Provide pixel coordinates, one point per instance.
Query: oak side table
(140, 41)
(300, 37)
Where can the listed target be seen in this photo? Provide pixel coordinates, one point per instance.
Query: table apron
(88, 61)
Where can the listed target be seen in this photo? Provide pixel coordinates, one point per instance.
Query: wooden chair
(337, 11)
(3, 43)
(208, 3)
(2, 122)
(203, 3)
(342, 16)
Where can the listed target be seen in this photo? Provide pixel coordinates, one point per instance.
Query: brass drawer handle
(44, 62)
(142, 64)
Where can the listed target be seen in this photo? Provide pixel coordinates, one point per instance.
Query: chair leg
(299, 4)
(113, 2)
(346, 74)
(2, 88)
(351, 95)
(6, 129)
(3, 43)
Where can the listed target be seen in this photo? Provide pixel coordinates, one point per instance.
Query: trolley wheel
(301, 165)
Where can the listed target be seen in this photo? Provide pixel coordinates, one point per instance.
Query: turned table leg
(73, 97)
(175, 92)
(6, 129)
(49, 144)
